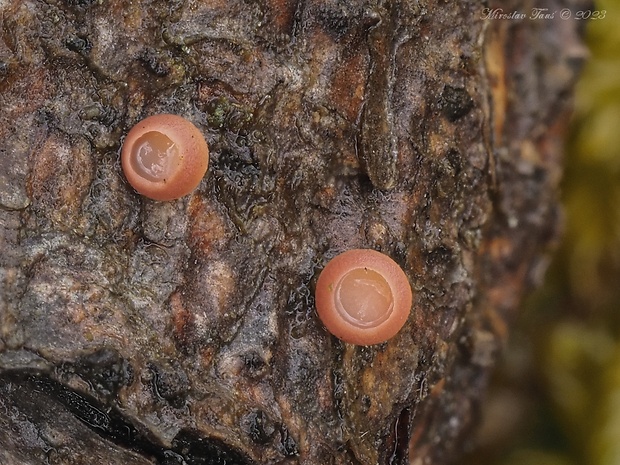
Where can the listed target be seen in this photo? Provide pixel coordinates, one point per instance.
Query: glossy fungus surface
(164, 157)
(363, 297)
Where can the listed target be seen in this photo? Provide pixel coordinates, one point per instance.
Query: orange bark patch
(348, 85)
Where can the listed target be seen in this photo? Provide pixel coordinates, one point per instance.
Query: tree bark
(184, 332)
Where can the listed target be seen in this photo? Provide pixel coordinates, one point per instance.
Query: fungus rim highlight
(374, 285)
(148, 159)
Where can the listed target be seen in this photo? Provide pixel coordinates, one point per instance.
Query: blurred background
(555, 399)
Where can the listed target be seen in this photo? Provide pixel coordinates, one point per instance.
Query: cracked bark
(178, 332)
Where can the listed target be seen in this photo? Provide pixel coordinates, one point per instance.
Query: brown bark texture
(184, 332)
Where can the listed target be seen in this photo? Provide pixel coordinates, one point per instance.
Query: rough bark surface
(184, 332)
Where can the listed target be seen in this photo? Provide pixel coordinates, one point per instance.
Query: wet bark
(143, 332)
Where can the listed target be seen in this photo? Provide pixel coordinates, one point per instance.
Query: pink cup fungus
(363, 297)
(164, 157)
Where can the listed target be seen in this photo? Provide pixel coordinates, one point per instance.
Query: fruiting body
(164, 157)
(363, 297)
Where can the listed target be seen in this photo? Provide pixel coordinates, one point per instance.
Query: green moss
(570, 332)
(222, 113)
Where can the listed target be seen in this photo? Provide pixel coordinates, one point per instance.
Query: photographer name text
(541, 14)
